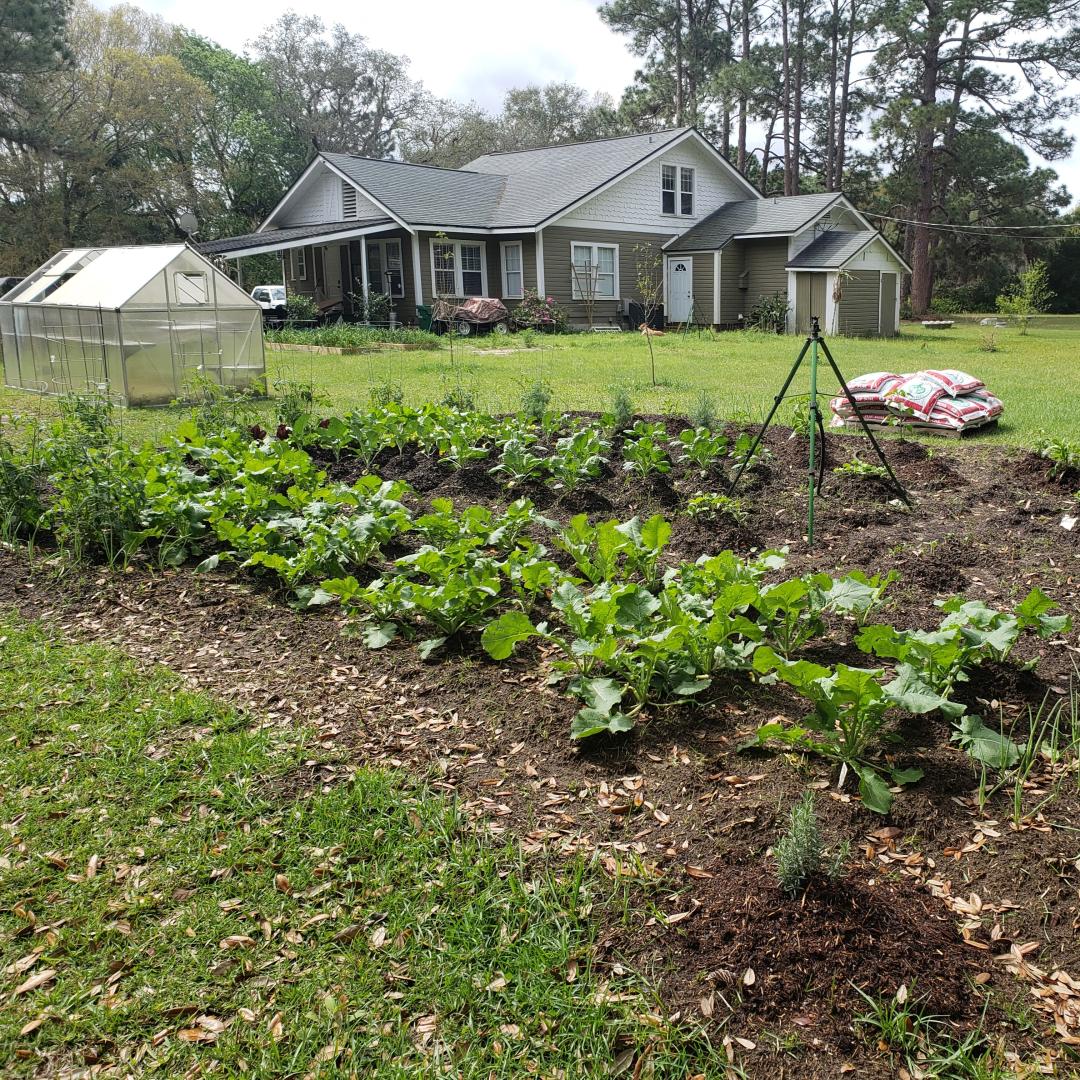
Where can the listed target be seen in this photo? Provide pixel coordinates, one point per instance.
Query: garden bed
(348, 350)
(675, 802)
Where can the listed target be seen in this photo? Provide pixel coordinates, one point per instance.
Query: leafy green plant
(643, 451)
(861, 469)
(1063, 455)
(577, 459)
(792, 611)
(769, 314)
(1029, 295)
(22, 481)
(800, 851)
(702, 447)
(518, 463)
(857, 595)
(612, 550)
(300, 308)
(847, 720)
(711, 506)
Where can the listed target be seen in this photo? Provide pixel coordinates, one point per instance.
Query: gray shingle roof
(831, 249)
(543, 181)
(424, 194)
(783, 214)
(500, 191)
(297, 232)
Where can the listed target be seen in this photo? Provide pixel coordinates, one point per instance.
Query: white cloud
(474, 53)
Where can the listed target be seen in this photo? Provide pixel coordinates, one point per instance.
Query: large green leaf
(655, 533)
(910, 691)
(873, 790)
(589, 722)
(985, 744)
(500, 637)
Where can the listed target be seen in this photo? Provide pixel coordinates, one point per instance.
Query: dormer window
(677, 190)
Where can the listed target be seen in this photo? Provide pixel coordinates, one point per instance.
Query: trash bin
(423, 316)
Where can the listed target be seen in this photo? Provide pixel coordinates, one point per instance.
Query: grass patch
(193, 915)
(739, 371)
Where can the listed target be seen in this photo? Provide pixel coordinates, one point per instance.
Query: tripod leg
(897, 486)
(769, 419)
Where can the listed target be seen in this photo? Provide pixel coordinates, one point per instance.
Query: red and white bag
(955, 382)
(919, 393)
(877, 382)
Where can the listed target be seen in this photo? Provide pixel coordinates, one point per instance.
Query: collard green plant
(643, 450)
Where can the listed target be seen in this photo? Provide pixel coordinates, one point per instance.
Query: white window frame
(298, 264)
(684, 171)
(574, 292)
(680, 171)
(674, 191)
(459, 289)
(381, 245)
(507, 294)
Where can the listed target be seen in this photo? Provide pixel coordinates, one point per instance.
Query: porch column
(418, 280)
(540, 285)
(363, 271)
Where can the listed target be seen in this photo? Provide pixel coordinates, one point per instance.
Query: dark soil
(742, 953)
(676, 793)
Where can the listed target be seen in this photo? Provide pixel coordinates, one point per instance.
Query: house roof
(424, 194)
(781, 215)
(517, 189)
(831, 250)
(279, 236)
(541, 182)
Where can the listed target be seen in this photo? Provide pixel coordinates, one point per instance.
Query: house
(572, 222)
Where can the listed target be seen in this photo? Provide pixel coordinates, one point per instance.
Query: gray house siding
(493, 261)
(732, 296)
(857, 312)
(558, 279)
(764, 268)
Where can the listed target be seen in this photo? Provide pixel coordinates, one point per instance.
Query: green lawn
(1035, 375)
(167, 903)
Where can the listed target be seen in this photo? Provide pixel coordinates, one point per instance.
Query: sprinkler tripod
(815, 342)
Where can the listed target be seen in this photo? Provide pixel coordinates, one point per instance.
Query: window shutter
(348, 201)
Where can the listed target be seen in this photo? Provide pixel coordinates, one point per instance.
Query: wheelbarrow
(475, 315)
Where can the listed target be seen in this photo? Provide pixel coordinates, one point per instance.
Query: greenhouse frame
(146, 325)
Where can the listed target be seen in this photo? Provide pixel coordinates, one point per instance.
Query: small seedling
(800, 852)
(861, 469)
(710, 506)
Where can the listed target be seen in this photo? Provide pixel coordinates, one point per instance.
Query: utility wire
(984, 230)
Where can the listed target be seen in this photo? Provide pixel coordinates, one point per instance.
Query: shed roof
(748, 217)
(104, 277)
(831, 250)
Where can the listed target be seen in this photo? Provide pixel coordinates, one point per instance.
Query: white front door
(680, 278)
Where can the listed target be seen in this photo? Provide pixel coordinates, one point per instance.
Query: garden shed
(143, 323)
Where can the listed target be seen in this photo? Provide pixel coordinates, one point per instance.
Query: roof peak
(585, 142)
(398, 161)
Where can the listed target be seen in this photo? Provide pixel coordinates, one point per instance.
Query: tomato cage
(144, 324)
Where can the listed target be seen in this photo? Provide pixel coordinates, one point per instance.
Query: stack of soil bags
(944, 400)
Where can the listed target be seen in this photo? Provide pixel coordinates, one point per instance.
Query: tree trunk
(834, 74)
(922, 283)
(744, 56)
(845, 97)
(785, 94)
(680, 100)
(797, 96)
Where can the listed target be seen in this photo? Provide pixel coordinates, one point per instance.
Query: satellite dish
(188, 222)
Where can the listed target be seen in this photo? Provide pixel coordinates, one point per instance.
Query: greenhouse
(145, 324)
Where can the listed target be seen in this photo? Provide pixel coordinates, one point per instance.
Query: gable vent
(348, 201)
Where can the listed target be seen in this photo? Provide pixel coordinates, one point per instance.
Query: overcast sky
(471, 52)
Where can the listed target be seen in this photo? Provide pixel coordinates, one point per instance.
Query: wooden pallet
(924, 429)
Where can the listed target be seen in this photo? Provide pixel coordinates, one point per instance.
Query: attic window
(348, 201)
(677, 190)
